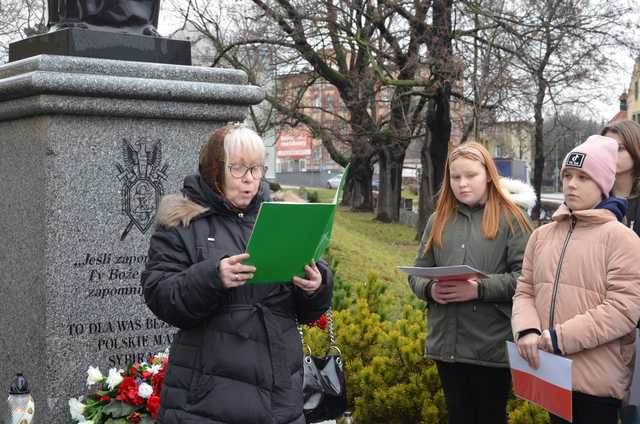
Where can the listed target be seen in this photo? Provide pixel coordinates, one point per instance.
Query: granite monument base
(87, 149)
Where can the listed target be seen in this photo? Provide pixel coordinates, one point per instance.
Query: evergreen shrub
(388, 379)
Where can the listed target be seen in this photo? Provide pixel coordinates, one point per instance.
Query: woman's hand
(544, 342)
(312, 283)
(528, 348)
(233, 273)
(454, 291)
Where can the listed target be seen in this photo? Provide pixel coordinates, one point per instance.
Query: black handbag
(324, 386)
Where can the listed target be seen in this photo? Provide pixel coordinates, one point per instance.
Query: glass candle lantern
(20, 402)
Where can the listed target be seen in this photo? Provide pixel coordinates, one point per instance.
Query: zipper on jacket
(556, 280)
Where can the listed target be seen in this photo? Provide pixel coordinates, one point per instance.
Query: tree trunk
(439, 124)
(426, 204)
(390, 160)
(357, 191)
(436, 147)
(438, 116)
(357, 187)
(538, 167)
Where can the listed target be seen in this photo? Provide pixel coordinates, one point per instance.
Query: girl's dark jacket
(632, 218)
(237, 357)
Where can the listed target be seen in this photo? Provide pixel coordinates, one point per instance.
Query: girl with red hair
(479, 222)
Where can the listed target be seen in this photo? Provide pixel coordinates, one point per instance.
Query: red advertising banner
(294, 143)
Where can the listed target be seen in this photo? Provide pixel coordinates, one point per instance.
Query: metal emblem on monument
(141, 178)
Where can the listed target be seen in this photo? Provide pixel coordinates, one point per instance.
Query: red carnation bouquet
(321, 322)
(123, 396)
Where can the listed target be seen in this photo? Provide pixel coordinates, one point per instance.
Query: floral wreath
(124, 396)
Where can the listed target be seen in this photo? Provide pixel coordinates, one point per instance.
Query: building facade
(297, 149)
(633, 98)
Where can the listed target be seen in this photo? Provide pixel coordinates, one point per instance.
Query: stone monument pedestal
(87, 148)
(103, 45)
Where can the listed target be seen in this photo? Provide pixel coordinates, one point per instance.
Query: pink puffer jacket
(596, 305)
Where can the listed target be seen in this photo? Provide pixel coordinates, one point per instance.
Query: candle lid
(19, 386)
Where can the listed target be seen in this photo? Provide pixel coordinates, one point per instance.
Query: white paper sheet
(455, 272)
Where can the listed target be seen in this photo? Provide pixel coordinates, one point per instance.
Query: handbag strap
(304, 344)
(332, 335)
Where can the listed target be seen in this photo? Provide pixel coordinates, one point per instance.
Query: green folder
(287, 236)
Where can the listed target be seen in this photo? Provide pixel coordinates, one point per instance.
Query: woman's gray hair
(245, 143)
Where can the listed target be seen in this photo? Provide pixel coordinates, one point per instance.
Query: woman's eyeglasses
(239, 171)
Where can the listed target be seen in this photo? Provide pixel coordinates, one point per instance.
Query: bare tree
(479, 79)
(527, 56)
(20, 19)
(406, 40)
(564, 49)
(491, 88)
(562, 132)
(370, 52)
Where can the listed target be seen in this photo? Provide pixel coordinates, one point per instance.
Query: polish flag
(548, 387)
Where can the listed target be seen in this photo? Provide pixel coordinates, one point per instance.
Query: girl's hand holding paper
(454, 291)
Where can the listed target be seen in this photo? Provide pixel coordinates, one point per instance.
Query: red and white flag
(549, 386)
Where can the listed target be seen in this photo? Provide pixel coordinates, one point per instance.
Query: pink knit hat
(597, 158)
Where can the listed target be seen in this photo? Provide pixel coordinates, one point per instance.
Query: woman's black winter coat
(237, 356)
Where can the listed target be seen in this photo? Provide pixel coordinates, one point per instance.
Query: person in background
(476, 223)
(237, 356)
(627, 186)
(578, 295)
(627, 182)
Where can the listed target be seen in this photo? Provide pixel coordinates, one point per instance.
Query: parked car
(334, 182)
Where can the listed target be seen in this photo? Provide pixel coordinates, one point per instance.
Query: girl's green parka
(475, 331)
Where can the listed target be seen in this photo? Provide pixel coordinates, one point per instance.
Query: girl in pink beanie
(596, 157)
(578, 294)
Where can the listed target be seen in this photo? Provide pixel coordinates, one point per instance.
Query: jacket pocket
(436, 343)
(485, 331)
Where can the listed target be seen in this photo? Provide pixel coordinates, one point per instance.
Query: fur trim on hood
(197, 198)
(520, 193)
(176, 209)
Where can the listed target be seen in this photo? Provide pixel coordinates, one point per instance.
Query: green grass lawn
(408, 195)
(325, 195)
(362, 246)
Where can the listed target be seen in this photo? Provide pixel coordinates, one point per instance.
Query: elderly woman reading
(237, 356)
